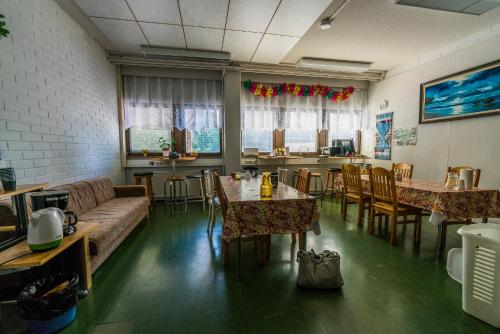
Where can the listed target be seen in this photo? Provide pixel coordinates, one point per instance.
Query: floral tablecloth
(289, 211)
(433, 196)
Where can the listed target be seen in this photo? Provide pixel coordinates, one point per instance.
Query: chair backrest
(403, 169)
(282, 175)
(383, 185)
(351, 175)
(220, 194)
(208, 181)
(303, 180)
(475, 177)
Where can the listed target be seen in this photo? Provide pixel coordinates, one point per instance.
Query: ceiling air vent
(197, 56)
(473, 7)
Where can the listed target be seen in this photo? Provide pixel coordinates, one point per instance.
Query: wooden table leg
(86, 267)
(239, 258)
(302, 240)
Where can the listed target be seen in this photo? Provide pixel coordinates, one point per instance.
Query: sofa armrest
(130, 191)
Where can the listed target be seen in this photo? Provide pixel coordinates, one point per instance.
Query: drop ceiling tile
(287, 22)
(206, 13)
(164, 34)
(241, 44)
(273, 48)
(116, 9)
(125, 35)
(159, 11)
(204, 38)
(250, 15)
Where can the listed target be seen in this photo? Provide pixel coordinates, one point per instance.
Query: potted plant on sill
(166, 145)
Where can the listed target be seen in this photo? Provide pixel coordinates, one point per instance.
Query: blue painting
(383, 136)
(471, 93)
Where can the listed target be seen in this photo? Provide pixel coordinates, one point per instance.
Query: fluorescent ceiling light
(185, 55)
(333, 65)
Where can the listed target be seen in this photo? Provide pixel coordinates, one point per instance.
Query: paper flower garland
(270, 90)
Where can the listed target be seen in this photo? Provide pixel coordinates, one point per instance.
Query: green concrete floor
(167, 278)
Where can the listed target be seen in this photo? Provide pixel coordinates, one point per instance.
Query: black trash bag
(34, 303)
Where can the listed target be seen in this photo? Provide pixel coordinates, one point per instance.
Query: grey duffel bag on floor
(319, 271)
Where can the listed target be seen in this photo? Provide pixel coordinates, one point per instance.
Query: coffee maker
(56, 199)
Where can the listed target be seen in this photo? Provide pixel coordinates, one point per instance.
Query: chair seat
(193, 176)
(315, 174)
(175, 178)
(356, 197)
(335, 170)
(388, 207)
(144, 174)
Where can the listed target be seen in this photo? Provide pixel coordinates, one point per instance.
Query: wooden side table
(20, 256)
(20, 207)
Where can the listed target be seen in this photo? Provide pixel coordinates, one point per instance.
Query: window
(257, 127)
(301, 117)
(154, 106)
(300, 129)
(343, 125)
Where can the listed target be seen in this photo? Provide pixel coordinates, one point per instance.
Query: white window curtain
(148, 103)
(301, 117)
(154, 105)
(343, 118)
(258, 120)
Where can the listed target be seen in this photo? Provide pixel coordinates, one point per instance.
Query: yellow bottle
(266, 188)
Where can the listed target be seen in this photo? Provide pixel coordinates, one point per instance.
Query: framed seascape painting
(472, 93)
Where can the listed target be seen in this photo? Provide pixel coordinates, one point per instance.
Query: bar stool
(148, 177)
(318, 177)
(331, 173)
(201, 197)
(172, 182)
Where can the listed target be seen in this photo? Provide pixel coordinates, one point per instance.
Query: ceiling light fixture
(326, 23)
(333, 65)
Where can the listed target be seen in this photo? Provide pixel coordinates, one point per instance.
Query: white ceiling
(283, 31)
(256, 30)
(386, 34)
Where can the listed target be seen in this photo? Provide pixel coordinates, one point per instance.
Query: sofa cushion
(102, 188)
(81, 197)
(113, 216)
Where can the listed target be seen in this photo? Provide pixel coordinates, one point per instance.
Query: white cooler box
(481, 271)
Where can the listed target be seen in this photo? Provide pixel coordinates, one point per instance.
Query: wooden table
(22, 257)
(288, 211)
(442, 202)
(20, 207)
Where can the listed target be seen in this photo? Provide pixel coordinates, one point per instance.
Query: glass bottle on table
(266, 187)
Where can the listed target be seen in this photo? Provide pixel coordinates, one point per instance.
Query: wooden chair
(303, 183)
(353, 191)
(384, 201)
(264, 240)
(403, 169)
(330, 182)
(444, 227)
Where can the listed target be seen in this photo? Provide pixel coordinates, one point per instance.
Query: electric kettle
(45, 230)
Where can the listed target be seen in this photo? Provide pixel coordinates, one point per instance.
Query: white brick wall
(58, 101)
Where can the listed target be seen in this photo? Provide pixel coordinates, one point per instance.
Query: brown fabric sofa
(117, 209)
